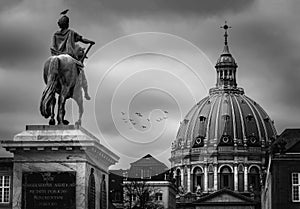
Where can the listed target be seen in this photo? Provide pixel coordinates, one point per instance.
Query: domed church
(222, 142)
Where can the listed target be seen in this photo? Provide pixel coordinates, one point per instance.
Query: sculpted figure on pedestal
(63, 72)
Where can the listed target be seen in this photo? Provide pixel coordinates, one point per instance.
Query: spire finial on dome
(226, 27)
(226, 66)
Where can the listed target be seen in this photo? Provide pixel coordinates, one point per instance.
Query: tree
(143, 192)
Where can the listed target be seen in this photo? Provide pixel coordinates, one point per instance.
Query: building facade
(282, 185)
(6, 188)
(223, 141)
(147, 183)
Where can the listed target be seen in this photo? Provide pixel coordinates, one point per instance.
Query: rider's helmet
(63, 22)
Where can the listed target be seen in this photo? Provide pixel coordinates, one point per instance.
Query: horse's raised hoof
(52, 122)
(65, 122)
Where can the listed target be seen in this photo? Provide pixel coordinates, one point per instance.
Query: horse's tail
(49, 91)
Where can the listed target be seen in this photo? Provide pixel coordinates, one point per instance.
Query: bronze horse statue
(62, 77)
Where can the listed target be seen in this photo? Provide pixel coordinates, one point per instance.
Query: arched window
(91, 190)
(241, 178)
(103, 196)
(185, 183)
(178, 178)
(210, 176)
(197, 179)
(253, 179)
(226, 178)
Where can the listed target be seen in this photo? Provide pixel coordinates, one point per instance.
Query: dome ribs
(190, 123)
(259, 136)
(204, 113)
(226, 122)
(197, 126)
(241, 120)
(268, 122)
(226, 114)
(183, 130)
(264, 134)
(217, 118)
(208, 135)
(238, 121)
(233, 121)
(269, 129)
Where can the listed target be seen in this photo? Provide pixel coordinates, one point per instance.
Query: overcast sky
(151, 57)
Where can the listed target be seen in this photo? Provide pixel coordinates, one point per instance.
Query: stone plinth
(50, 151)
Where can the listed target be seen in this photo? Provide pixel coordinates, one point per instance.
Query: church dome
(227, 117)
(223, 141)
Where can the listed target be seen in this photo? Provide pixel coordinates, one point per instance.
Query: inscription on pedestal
(49, 190)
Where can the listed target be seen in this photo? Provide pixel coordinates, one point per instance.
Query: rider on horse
(64, 43)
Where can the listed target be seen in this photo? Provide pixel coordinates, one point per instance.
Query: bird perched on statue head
(64, 12)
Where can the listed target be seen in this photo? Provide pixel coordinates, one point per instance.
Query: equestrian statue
(64, 74)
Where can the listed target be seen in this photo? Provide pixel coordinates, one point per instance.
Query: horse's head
(79, 51)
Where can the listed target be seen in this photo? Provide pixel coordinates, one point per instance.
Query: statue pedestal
(59, 167)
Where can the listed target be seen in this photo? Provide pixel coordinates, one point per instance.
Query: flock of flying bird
(138, 114)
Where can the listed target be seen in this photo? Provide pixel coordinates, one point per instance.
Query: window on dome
(226, 178)
(252, 140)
(199, 142)
(202, 118)
(178, 178)
(210, 176)
(296, 187)
(226, 140)
(241, 178)
(185, 180)
(197, 178)
(180, 143)
(253, 179)
(225, 117)
(249, 117)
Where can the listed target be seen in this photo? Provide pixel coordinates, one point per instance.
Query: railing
(254, 149)
(225, 149)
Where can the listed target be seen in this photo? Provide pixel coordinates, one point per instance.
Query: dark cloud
(269, 43)
(27, 28)
(7, 4)
(147, 7)
(261, 41)
(19, 46)
(25, 43)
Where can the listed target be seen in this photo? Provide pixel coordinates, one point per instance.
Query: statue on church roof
(63, 72)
